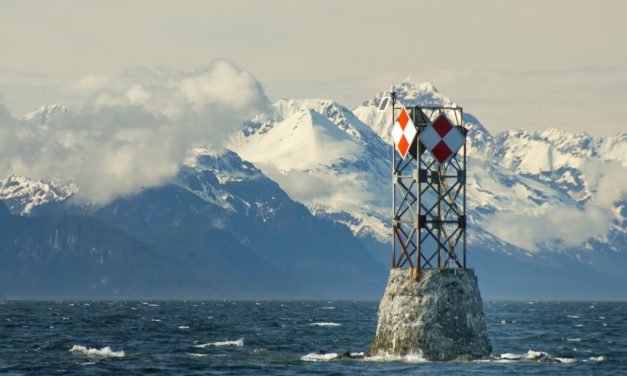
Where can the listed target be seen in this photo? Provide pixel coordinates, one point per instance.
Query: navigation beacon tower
(429, 187)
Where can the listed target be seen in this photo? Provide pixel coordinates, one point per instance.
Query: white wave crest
(566, 360)
(597, 358)
(325, 324)
(103, 352)
(573, 339)
(238, 343)
(196, 355)
(511, 356)
(529, 356)
(409, 358)
(183, 327)
(533, 355)
(316, 357)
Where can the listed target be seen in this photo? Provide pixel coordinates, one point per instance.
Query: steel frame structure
(429, 200)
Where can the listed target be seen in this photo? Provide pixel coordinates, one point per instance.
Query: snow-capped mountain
(22, 194)
(312, 148)
(43, 115)
(547, 202)
(223, 227)
(525, 181)
(324, 157)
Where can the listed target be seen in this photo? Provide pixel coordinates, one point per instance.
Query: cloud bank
(133, 131)
(554, 226)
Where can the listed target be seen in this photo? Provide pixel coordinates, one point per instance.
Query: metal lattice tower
(429, 199)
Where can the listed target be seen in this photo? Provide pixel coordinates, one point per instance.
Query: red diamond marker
(442, 125)
(442, 138)
(403, 132)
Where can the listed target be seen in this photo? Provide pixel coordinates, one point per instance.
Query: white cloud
(607, 181)
(134, 133)
(552, 227)
(91, 82)
(557, 226)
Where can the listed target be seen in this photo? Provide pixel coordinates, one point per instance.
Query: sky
(524, 64)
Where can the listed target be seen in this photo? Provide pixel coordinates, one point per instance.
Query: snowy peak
(479, 141)
(537, 152)
(334, 112)
(410, 93)
(322, 155)
(304, 140)
(224, 164)
(212, 174)
(22, 194)
(45, 114)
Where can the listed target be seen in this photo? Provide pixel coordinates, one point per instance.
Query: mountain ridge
(540, 202)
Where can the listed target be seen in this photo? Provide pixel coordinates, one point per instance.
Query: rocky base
(439, 317)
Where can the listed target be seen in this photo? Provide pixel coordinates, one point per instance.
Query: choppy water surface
(249, 338)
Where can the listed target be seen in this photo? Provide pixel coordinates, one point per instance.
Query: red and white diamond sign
(403, 132)
(442, 138)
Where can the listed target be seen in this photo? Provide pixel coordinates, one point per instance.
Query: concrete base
(439, 317)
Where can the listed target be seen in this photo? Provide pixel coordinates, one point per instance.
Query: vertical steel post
(464, 193)
(394, 181)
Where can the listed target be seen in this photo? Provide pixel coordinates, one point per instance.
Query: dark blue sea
(285, 338)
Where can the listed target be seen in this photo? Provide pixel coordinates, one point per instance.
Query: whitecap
(329, 307)
(325, 324)
(510, 356)
(103, 352)
(183, 327)
(155, 320)
(196, 355)
(533, 355)
(573, 339)
(316, 357)
(572, 316)
(597, 358)
(238, 343)
(579, 325)
(566, 360)
(409, 358)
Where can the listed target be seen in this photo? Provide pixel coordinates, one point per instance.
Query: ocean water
(285, 338)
